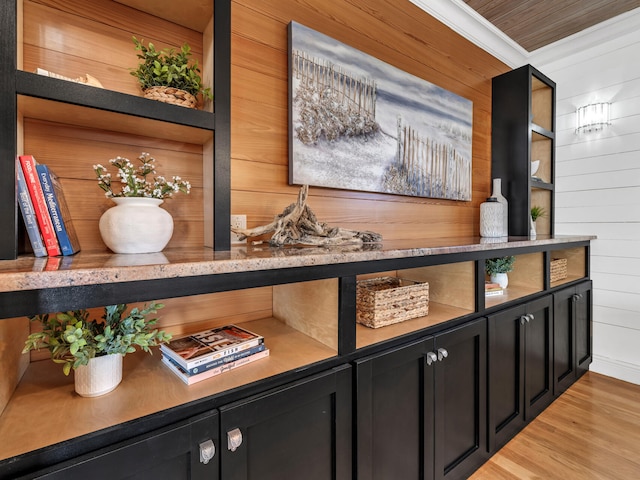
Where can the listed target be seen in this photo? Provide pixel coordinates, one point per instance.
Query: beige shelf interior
(541, 147)
(44, 395)
(451, 295)
(526, 279)
(576, 264)
(542, 198)
(311, 308)
(541, 103)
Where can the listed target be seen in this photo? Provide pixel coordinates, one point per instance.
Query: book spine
(210, 357)
(191, 379)
(224, 360)
(493, 293)
(49, 238)
(28, 214)
(58, 210)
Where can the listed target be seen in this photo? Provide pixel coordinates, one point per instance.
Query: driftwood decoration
(297, 225)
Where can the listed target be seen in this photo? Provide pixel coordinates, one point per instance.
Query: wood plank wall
(396, 32)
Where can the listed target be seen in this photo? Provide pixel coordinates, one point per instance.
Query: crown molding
(465, 21)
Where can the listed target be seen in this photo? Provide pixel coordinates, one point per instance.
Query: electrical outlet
(238, 221)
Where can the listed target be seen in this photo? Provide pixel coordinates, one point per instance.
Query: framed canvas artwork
(358, 123)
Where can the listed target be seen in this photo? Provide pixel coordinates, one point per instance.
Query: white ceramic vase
(101, 375)
(136, 225)
(497, 193)
(501, 279)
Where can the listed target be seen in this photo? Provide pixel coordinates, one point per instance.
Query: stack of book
(44, 209)
(492, 289)
(203, 355)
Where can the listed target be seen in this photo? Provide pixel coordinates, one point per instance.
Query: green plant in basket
(499, 265)
(73, 338)
(168, 68)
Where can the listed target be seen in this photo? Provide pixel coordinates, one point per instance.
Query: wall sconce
(593, 117)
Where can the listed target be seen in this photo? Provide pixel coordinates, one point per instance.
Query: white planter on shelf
(501, 279)
(101, 375)
(136, 225)
(532, 230)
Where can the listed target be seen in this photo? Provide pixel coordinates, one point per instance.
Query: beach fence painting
(358, 123)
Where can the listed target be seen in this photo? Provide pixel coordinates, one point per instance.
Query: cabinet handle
(530, 317)
(442, 354)
(234, 439)
(207, 451)
(575, 297)
(523, 319)
(431, 357)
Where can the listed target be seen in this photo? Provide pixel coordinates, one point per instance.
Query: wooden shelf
(510, 293)
(73, 98)
(45, 401)
(438, 313)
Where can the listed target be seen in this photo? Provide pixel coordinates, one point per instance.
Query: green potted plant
(536, 212)
(168, 75)
(90, 346)
(497, 269)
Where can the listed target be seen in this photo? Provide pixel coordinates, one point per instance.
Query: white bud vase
(136, 225)
(101, 375)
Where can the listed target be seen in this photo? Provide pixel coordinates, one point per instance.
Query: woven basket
(387, 300)
(171, 95)
(558, 269)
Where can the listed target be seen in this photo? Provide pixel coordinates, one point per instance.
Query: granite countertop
(84, 268)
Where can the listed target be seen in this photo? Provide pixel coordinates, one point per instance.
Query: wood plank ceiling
(536, 23)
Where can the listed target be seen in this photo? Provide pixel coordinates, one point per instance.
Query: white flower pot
(501, 279)
(101, 375)
(532, 229)
(136, 225)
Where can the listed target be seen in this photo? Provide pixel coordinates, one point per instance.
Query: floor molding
(610, 367)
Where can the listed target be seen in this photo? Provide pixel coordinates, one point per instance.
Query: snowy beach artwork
(358, 123)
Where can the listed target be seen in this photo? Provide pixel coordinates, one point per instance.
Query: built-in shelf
(309, 325)
(45, 401)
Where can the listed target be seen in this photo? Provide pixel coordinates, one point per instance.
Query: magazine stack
(203, 355)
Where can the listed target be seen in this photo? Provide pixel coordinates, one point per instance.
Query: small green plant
(537, 212)
(72, 338)
(168, 68)
(499, 265)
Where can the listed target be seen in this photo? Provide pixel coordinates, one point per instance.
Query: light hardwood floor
(592, 431)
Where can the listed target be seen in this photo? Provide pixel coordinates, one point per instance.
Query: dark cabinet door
(189, 451)
(564, 336)
(520, 367)
(460, 401)
(506, 375)
(538, 364)
(421, 408)
(302, 430)
(394, 413)
(572, 335)
(584, 327)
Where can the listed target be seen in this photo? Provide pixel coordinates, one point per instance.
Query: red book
(28, 164)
